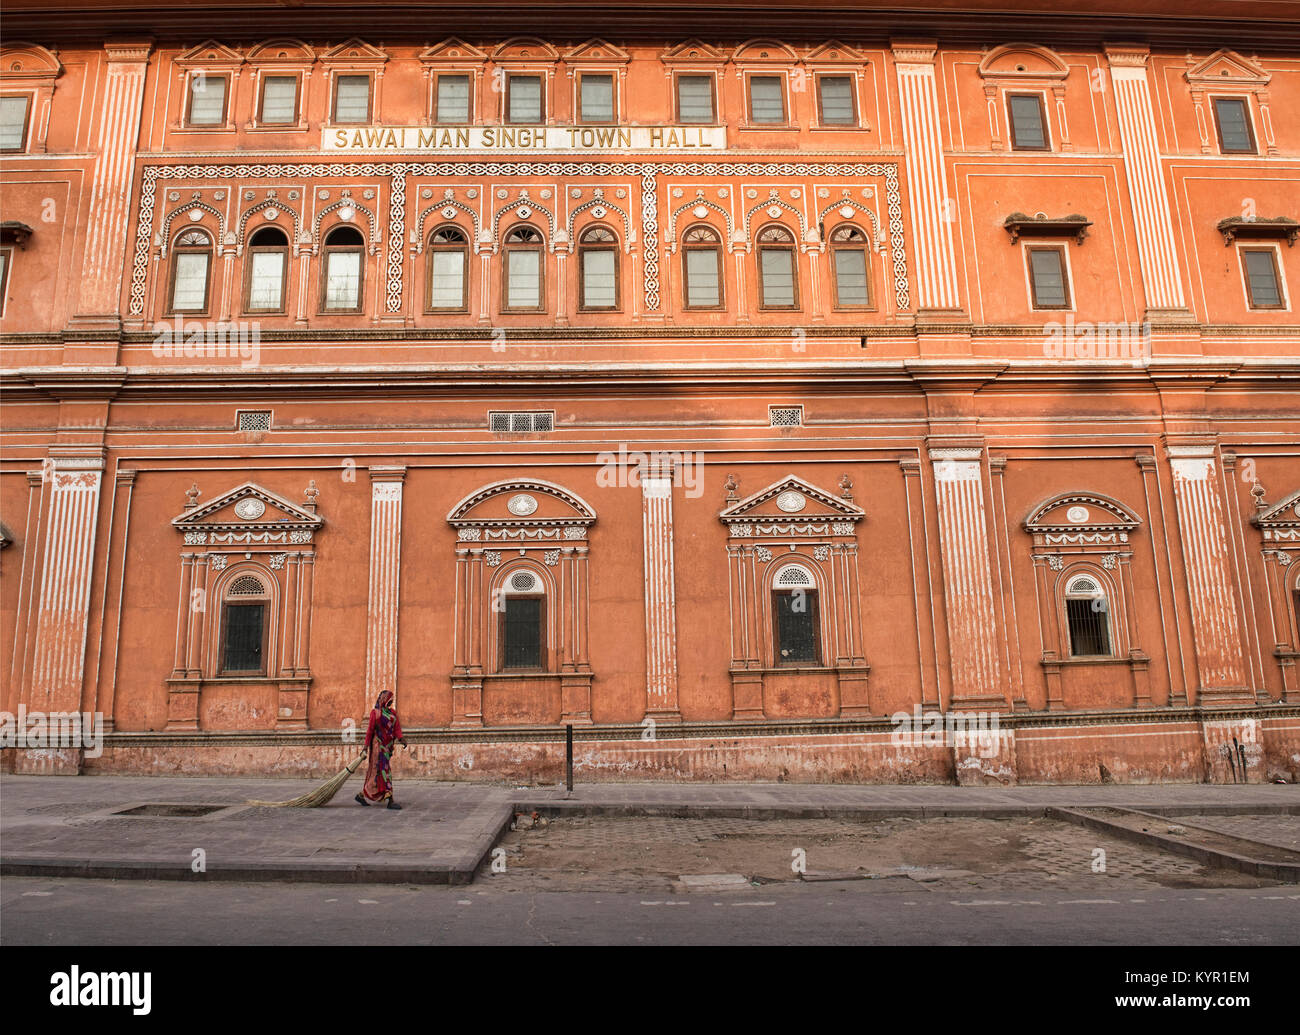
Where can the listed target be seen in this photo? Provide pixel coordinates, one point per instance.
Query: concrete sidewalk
(73, 827)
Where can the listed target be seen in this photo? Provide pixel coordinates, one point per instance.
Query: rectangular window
(522, 633)
(777, 269)
(279, 100)
(1263, 286)
(207, 100)
(835, 97)
(447, 290)
(1028, 126)
(524, 276)
(1089, 634)
(524, 98)
(243, 646)
(190, 289)
(702, 287)
(766, 99)
(1047, 278)
(13, 122)
(453, 99)
(599, 289)
(352, 98)
(596, 98)
(5, 255)
(343, 280)
(796, 627)
(266, 281)
(851, 277)
(695, 98)
(1233, 119)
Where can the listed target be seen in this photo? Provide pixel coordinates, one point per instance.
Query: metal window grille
(246, 586)
(243, 651)
(1087, 614)
(522, 630)
(796, 627)
(521, 420)
(785, 416)
(254, 420)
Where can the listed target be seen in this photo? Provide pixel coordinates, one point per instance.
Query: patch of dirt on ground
(651, 853)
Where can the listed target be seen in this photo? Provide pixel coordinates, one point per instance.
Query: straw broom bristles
(321, 795)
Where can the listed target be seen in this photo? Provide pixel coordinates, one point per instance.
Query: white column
(110, 196)
(385, 577)
(1216, 630)
(58, 664)
(974, 635)
(1146, 183)
(933, 208)
(660, 603)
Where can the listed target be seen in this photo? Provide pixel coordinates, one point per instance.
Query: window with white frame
(191, 271)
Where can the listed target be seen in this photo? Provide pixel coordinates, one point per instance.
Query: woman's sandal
(392, 804)
(360, 800)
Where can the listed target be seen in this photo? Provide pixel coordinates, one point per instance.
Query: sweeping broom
(321, 795)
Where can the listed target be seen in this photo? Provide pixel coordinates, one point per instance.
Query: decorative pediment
(249, 508)
(28, 61)
(1283, 514)
(354, 52)
(522, 502)
(282, 52)
(1081, 513)
(1227, 67)
(597, 50)
(210, 54)
(452, 49)
(835, 52)
(790, 506)
(525, 48)
(764, 51)
(1022, 61)
(693, 52)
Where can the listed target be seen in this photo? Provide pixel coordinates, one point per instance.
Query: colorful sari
(382, 736)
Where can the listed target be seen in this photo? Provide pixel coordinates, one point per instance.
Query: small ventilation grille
(246, 586)
(794, 577)
(522, 420)
(785, 416)
(523, 581)
(254, 420)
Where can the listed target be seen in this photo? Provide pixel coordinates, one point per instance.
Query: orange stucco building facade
(722, 387)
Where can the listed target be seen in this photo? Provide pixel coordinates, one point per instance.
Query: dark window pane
(523, 632)
(796, 627)
(1234, 124)
(1261, 277)
(1089, 628)
(243, 638)
(1027, 122)
(1048, 278)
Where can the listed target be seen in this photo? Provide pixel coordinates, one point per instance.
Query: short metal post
(568, 758)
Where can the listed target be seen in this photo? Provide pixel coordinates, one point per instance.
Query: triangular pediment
(354, 51)
(693, 51)
(1081, 512)
(248, 506)
(282, 51)
(1286, 512)
(597, 50)
(835, 52)
(1227, 66)
(525, 501)
(791, 498)
(453, 48)
(209, 54)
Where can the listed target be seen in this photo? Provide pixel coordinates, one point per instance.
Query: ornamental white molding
(1081, 517)
(399, 173)
(607, 206)
(747, 516)
(1279, 522)
(524, 207)
(372, 238)
(273, 207)
(522, 511)
(421, 237)
(672, 236)
(164, 235)
(246, 514)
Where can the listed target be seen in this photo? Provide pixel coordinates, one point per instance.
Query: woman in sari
(382, 735)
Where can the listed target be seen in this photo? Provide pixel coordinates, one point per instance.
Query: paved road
(37, 911)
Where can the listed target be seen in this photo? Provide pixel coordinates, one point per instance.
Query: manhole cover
(164, 809)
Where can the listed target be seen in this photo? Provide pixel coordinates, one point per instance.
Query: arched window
(523, 285)
(702, 268)
(343, 271)
(777, 285)
(598, 269)
(191, 272)
(1087, 611)
(794, 611)
(265, 267)
(448, 269)
(244, 614)
(523, 622)
(849, 247)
